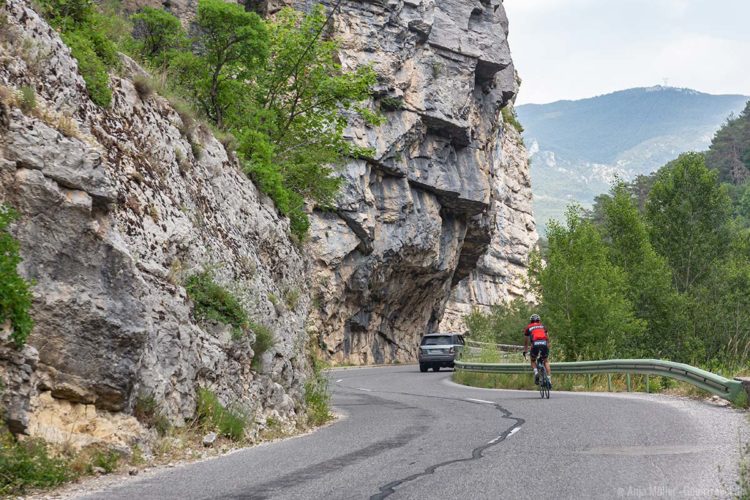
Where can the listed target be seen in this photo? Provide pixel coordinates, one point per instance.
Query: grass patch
(29, 464)
(317, 396)
(578, 383)
(27, 100)
(213, 416)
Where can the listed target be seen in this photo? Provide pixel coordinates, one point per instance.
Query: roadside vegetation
(659, 268)
(15, 292)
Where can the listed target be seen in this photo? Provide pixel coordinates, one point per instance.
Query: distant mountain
(579, 147)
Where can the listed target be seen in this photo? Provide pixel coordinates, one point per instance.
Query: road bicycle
(544, 383)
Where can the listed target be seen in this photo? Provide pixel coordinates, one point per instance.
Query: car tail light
(451, 351)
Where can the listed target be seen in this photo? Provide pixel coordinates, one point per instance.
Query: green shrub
(229, 422)
(15, 292)
(83, 29)
(216, 303)
(390, 103)
(92, 69)
(28, 464)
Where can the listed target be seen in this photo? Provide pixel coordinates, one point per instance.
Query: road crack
(476, 454)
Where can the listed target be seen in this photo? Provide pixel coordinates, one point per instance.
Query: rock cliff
(117, 207)
(501, 272)
(416, 217)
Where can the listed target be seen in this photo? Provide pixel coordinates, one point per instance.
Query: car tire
(422, 367)
(436, 368)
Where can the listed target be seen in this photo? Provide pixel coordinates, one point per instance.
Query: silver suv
(438, 350)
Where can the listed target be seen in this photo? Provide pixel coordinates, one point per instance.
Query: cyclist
(536, 335)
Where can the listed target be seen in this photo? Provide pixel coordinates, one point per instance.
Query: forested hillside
(660, 267)
(579, 147)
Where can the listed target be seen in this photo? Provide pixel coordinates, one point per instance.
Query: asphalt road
(406, 434)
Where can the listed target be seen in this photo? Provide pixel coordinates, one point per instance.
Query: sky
(572, 49)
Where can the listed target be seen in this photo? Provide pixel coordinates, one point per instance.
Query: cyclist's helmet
(535, 318)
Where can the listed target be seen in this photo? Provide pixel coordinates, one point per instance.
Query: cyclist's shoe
(549, 383)
(536, 379)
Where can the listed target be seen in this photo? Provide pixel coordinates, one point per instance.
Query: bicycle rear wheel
(542, 381)
(546, 387)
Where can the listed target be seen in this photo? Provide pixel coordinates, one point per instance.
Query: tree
(649, 279)
(157, 33)
(584, 294)
(729, 152)
(303, 99)
(503, 325)
(688, 213)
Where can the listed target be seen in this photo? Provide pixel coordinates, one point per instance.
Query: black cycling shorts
(539, 350)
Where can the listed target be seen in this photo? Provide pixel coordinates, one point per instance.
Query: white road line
(513, 431)
(339, 380)
(480, 401)
(363, 389)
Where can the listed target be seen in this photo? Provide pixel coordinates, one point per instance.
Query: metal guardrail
(731, 390)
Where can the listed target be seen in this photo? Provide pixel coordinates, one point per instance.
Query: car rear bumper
(446, 360)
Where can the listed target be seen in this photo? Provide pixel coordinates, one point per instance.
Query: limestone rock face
(414, 219)
(501, 271)
(117, 207)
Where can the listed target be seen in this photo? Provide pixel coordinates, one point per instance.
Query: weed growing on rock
(147, 412)
(509, 117)
(212, 415)
(317, 397)
(291, 297)
(216, 303)
(264, 340)
(27, 100)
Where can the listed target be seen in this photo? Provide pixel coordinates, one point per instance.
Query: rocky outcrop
(500, 274)
(416, 216)
(117, 207)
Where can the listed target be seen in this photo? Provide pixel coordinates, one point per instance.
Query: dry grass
(26, 100)
(144, 87)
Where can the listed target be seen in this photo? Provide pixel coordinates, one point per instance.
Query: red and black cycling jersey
(536, 332)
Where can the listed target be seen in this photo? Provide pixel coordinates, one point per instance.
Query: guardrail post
(627, 378)
(588, 381)
(609, 382)
(648, 386)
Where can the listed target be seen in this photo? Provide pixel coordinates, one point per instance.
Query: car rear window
(440, 340)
